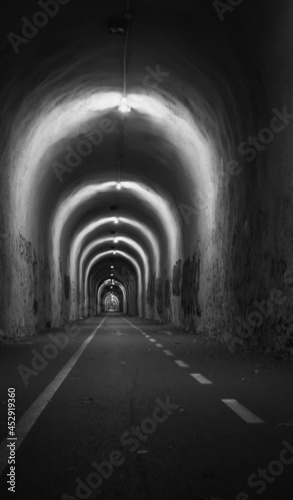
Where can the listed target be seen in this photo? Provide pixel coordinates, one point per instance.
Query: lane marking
(200, 378)
(159, 345)
(152, 340)
(168, 353)
(147, 336)
(242, 412)
(181, 363)
(168, 333)
(131, 324)
(29, 418)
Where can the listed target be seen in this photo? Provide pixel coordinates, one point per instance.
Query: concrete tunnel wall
(217, 216)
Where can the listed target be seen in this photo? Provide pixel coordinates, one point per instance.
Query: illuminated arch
(96, 243)
(107, 283)
(127, 257)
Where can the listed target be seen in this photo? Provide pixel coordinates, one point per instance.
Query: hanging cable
(127, 15)
(124, 107)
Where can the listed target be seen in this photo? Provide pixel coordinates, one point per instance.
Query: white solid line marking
(28, 419)
(200, 378)
(152, 340)
(181, 363)
(242, 412)
(168, 353)
(159, 345)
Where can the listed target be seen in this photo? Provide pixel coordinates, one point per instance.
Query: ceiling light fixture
(117, 26)
(124, 106)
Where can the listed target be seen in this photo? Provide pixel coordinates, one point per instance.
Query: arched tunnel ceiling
(124, 272)
(67, 138)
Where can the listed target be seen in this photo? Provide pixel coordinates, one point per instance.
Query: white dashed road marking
(168, 353)
(200, 378)
(159, 345)
(242, 412)
(152, 340)
(181, 363)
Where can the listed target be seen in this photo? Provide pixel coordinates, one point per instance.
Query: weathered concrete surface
(206, 166)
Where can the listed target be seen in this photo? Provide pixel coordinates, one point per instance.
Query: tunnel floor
(139, 414)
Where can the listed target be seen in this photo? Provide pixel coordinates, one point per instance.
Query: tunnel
(146, 157)
(175, 188)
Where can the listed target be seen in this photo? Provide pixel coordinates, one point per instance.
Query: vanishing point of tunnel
(146, 249)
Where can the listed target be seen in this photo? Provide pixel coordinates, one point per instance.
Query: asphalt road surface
(119, 408)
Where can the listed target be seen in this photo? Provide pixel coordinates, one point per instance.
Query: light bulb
(116, 220)
(118, 185)
(124, 107)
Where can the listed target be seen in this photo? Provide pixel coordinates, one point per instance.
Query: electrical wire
(127, 15)
(124, 92)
